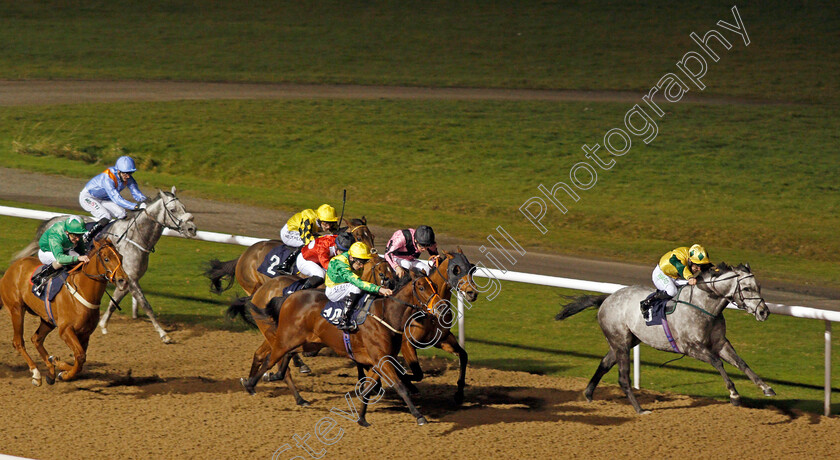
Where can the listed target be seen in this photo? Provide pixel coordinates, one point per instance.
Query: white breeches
(290, 238)
(100, 209)
(309, 268)
(340, 291)
(665, 283)
(416, 263)
(47, 258)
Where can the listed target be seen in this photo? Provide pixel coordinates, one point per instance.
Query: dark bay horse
(297, 323)
(135, 238)
(75, 308)
(452, 271)
(697, 325)
(243, 269)
(377, 271)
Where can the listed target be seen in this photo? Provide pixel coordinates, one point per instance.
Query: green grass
(794, 53)
(750, 183)
(786, 352)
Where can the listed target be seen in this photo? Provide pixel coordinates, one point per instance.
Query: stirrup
(347, 325)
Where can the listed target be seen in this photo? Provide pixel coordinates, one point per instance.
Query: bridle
(109, 274)
(738, 290)
(178, 223)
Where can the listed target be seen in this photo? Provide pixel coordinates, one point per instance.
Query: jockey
(58, 247)
(678, 268)
(343, 281)
(101, 195)
(304, 226)
(405, 246)
(314, 258)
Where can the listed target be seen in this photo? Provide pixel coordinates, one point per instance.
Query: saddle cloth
(658, 311)
(333, 311)
(270, 266)
(54, 285)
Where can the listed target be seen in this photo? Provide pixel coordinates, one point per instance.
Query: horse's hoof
(52, 359)
(363, 422)
(769, 392)
(644, 412)
(60, 376)
(459, 398)
(588, 396)
(104, 330)
(50, 380)
(303, 403)
(267, 377)
(304, 369)
(422, 420)
(247, 387)
(36, 382)
(166, 339)
(735, 401)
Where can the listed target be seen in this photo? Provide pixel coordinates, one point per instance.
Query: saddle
(280, 261)
(656, 306)
(54, 284)
(333, 311)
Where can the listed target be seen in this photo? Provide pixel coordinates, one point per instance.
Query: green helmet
(75, 225)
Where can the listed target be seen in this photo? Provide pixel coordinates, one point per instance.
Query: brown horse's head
(379, 271)
(106, 264)
(359, 229)
(455, 270)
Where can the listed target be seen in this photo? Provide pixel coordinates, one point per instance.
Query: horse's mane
(723, 268)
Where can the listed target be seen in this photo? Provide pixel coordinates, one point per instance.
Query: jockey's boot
(39, 280)
(91, 234)
(646, 304)
(312, 282)
(288, 265)
(346, 322)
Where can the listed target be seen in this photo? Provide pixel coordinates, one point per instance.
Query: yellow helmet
(359, 250)
(326, 213)
(698, 255)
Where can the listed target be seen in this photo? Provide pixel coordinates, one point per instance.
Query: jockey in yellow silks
(304, 226)
(680, 267)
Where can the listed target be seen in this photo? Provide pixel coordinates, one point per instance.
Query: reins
(133, 223)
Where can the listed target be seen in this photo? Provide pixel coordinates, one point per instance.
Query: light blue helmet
(125, 164)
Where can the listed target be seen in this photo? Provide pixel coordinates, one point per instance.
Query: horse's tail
(30, 250)
(238, 308)
(219, 271)
(580, 304)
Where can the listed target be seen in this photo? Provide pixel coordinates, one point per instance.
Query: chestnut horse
(244, 267)
(377, 271)
(453, 271)
(75, 308)
(297, 323)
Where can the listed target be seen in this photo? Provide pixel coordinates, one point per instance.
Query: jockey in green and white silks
(343, 280)
(679, 267)
(101, 195)
(56, 248)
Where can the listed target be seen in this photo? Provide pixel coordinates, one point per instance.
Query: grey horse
(697, 325)
(135, 238)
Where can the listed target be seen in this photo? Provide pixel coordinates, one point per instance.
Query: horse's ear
(747, 266)
(173, 189)
(364, 220)
(160, 193)
(459, 250)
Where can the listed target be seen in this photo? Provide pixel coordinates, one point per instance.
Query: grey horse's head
(170, 212)
(738, 284)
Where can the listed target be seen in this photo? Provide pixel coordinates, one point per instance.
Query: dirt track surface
(136, 401)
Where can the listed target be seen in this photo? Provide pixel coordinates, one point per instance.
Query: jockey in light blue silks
(101, 195)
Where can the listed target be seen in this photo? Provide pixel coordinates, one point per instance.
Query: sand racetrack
(138, 398)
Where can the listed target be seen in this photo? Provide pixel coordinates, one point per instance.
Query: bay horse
(297, 323)
(452, 272)
(243, 269)
(697, 325)
(75, 309)
(377, 271)
(135, 238)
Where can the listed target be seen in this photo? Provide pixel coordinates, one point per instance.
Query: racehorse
(377, 271)
(297, 322)
(244, 268)
(451, 272)
(75, 309)
(135, 238)
(697, 325)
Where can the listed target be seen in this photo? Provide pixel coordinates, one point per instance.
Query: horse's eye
(456, 270)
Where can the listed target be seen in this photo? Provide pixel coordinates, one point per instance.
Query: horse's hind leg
(287, 377)
(302, 367)
(727, 352)
(17, 313)
(623, 358)
(606, 364)
(38, 340)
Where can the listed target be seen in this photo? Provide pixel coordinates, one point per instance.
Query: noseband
(738, 290)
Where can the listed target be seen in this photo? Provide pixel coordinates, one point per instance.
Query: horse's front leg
(139, 297)
(710, 357)
(450, 344)
(410, 354)
(79, 354)
(112, 307)
(727, 352)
